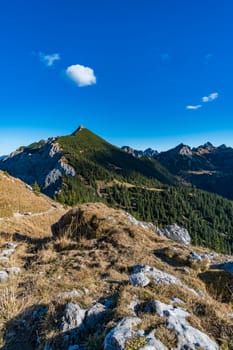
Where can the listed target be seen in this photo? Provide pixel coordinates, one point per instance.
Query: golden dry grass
(99, 258)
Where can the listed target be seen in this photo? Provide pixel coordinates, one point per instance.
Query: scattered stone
(177, 301)
(10, 245)
(7, 252)
(3, 276)
(142, 275)
(116, 338)
(4, 259)
(195, 257)
(143, 224)
(188, 337)
(14, 270)
(177, 233)
(73, 317)
(95, 315)
(75, 293)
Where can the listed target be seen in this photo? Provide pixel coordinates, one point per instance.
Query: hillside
(106, 281)
(22, 210)
(83, 157)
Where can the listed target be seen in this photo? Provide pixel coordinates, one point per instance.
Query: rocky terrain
(100, 279)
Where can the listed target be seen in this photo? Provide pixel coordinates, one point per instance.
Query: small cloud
(49, 60)
(210, 97)
(194, 107)
(81, 75)
(165, 57)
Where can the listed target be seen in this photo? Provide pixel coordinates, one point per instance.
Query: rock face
(177, 233)
(188, 337)
(73, 317)
(149, 152)
(3, 276)
(116, 338)
(43, 164)
(141, 275)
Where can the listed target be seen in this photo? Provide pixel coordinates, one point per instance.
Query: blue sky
(128, 70)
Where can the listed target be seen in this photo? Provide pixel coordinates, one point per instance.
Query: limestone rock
(73, 317)
(3, 276)
(75, 293)
(7, 252)
(14, 270)
(142, 274)
(177, 233)
(95, 315)
(188, 337)
(116, 338)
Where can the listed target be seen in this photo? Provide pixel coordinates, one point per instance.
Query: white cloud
(210, 97)
(81, 75)
(49, 60)
(194, 107)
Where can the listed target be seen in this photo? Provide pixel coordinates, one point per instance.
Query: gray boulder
(3, 276)
(95, 315)
(7, 252)
(141, 275)
(73, 317)
(116, 338)
(14, 270)
(177, 233)
(188, 337)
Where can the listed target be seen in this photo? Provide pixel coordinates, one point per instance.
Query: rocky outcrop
(188, 337)
(141, 275)
(177, 233)
(43, 164)
(149, 152)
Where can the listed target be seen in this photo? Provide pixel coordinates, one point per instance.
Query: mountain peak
(81, 127)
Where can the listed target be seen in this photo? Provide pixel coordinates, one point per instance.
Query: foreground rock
(124, 336)
(141, 275)
(188, 337)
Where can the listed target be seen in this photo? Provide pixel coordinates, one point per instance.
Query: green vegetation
(96, 159)
(154, 195)
(36, 188)
(208, 217)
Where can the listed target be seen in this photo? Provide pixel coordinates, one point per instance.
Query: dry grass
(100, 260)
(15, 197)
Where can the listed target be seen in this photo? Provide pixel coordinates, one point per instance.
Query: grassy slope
(85, 149)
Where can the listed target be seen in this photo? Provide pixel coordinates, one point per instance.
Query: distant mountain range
(206, 167)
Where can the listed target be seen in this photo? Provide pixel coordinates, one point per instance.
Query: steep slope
(106, 281)
(22, 210)
(40, 162)
(83, 158)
